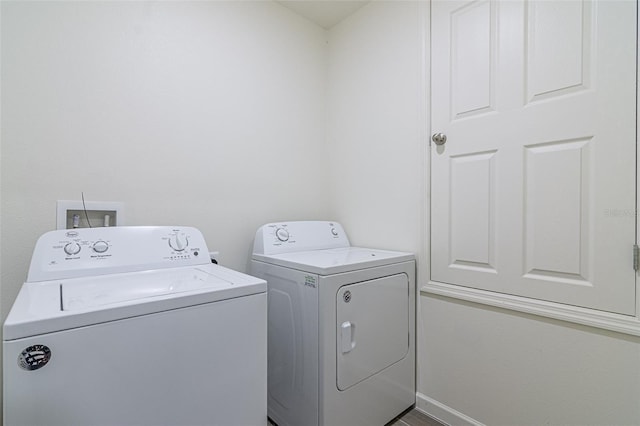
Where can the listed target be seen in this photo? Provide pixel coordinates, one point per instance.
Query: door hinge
(636, 257)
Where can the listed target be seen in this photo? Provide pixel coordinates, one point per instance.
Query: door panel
(533, 194)
(472, 59)
(473, 189)
(372, 320)
(557, 174)
(558, 65)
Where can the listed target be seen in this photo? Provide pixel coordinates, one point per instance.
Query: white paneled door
(533, 192)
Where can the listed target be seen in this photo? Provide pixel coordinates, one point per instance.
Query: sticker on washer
(34, 357)
(310, 281)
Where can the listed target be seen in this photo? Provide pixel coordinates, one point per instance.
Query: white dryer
(134, 326)
(341, 326)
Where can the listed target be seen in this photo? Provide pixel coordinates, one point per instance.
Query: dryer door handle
(348, 334)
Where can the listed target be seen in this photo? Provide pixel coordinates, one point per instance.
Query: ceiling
(325, 13)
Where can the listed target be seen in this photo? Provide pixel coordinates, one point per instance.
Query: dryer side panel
(292, 344)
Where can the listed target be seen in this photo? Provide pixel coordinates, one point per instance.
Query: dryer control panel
(287, 237)
(72, 253)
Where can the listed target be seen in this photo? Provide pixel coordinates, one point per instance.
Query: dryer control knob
(178, 242)
(100, 246)
(282, 234)
(72, 248)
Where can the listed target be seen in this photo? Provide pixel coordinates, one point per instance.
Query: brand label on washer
(34, 357)
(310, 281)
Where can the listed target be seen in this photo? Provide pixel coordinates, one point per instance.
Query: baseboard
(443, 413)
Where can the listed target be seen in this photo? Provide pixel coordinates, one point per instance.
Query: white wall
(209, 114)
(505, 368)
(476, 363)
(374, 126)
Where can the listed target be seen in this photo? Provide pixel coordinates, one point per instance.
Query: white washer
(341, 328)
(134, 326)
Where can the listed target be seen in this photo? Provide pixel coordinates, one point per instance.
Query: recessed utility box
(72, 214)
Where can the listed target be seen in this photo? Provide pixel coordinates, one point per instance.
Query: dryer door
(372, 327)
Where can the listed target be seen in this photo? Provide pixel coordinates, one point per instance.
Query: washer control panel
(286, 237)
(93, 251)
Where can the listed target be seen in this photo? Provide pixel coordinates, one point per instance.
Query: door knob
(439, 138)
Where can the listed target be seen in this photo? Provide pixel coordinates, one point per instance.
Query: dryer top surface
(337, 260)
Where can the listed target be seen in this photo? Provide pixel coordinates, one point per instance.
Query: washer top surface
(142, 272)
(49, 306)
(94, 292)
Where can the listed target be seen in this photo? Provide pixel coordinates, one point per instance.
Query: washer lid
(93, 293)
(335, 261)
(49, 306)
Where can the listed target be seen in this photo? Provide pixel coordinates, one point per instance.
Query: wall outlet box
(98, 213)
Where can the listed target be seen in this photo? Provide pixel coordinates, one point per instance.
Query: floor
(414, 417)
(411, 417)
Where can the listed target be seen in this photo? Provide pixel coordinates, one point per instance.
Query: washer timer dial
(282, 234)
(178, 242)
(72, 248)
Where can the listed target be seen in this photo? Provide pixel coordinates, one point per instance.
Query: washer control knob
(282, 234)
(100, 246)
(334, 231)
(72, 248)
(178, 242)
